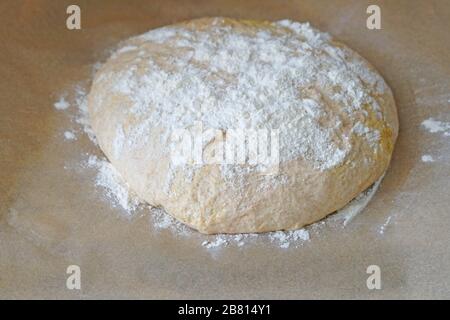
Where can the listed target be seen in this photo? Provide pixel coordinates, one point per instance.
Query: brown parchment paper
(52, 215)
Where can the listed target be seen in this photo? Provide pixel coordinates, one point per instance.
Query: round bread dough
(329, 116)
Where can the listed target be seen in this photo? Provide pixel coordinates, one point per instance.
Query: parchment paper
(52, 215)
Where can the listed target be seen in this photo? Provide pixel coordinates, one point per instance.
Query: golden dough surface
(329, 114)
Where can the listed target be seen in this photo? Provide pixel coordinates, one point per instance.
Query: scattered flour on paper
(435, 126)
(427, 158)
(285, 238)
(81, 112)
(69, 135)
(384, 225)
(82, 117)
(61, 104)
(116, 188)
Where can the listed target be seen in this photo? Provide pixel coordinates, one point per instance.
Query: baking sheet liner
(52, 215)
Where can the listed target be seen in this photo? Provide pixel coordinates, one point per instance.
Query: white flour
(116, 188)
(82, 115)
(443, 129)
(61, 104)
(69, 135)
(427, 158)
(384, 225)
(435, 126)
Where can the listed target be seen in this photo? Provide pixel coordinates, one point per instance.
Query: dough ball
(236, 126)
